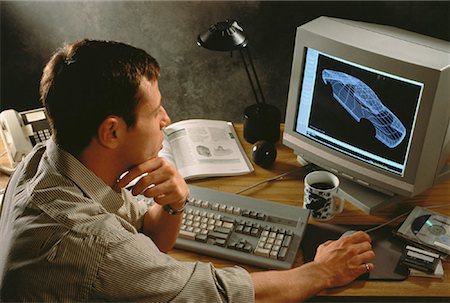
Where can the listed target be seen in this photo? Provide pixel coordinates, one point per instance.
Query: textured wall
(195, 83)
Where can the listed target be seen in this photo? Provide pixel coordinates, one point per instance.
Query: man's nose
(166, 119)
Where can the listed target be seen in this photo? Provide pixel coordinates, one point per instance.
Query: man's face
(144, 139)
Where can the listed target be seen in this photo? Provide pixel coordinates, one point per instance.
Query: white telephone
(21, 131)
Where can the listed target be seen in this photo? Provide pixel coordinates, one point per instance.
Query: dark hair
(88, 80)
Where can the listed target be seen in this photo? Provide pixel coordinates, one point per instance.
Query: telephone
(21, 131)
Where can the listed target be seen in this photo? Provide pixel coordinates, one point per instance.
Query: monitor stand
(367, 199)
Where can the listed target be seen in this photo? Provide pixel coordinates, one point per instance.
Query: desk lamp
(261, 120)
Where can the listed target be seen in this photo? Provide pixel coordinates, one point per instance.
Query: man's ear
(108, 131)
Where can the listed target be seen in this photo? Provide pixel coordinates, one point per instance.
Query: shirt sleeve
(135, 270)
(132, 210)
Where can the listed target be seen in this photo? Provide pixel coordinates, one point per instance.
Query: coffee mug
(322, 195)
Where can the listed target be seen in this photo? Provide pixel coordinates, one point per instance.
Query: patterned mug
(322, 195)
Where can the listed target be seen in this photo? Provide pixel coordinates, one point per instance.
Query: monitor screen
(359, 111)
(370, 103)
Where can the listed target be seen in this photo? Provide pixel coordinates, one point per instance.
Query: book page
(203, 148)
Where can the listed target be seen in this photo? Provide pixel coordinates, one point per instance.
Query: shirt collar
(94, 187)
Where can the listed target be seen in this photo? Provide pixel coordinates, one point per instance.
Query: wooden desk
(290, 191)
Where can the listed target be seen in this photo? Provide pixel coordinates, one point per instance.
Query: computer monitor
(370, 103)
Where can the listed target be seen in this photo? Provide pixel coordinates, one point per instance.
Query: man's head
(87, 81)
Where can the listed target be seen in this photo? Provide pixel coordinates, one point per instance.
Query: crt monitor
(370, 103)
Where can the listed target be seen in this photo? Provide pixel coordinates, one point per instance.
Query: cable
(274, 178)
(402, 215)
(438, 206)
(386, 223)
(6, 170)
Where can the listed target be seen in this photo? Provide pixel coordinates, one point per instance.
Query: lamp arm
(256, 75)
(241, 51)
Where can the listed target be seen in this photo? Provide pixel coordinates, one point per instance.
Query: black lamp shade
(223, 36)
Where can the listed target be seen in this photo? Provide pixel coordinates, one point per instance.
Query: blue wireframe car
(360, 101)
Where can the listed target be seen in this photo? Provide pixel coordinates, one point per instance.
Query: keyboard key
(268, 246)
(223, 230)
(273, 254)
(217, 235)
(187, 234)
(240, 246)
(227, 219)
(201, 238)
(261, 216)
(262, 252)
(282, 254)
(248, 248)
(287, 241)
(227, 225)
(220, 242)
(239, 228)
(254, 232)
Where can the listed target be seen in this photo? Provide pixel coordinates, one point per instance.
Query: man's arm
(337, 263)
(162, 227)
(167, 187)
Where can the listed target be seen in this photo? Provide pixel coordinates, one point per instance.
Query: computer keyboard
(242, 229)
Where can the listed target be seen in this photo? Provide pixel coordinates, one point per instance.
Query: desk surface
(289, 190)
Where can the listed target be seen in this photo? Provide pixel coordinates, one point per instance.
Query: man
(72, 233)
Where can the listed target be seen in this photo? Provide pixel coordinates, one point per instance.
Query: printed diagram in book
(218, 151)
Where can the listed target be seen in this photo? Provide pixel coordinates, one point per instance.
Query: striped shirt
(67, 236)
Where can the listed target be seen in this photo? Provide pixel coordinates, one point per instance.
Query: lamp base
(261, 122)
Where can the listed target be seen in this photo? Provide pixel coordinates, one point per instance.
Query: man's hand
(162, 182)
(346, 259)
(166, 186)
(336, 263)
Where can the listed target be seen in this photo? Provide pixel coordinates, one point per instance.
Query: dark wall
(195, 83)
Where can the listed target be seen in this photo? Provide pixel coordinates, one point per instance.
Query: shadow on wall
(195, 83)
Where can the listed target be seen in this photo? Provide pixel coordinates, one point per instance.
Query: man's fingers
(368, 267)
(366, 256)
(357, 237)
(139, 170)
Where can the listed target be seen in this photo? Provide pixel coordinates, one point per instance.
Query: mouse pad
(388, 249)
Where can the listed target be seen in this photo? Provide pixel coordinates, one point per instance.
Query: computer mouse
(264, 153)
(347, 233)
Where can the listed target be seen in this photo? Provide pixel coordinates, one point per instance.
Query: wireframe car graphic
(360, 101)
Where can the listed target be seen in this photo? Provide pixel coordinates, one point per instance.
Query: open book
(201, 148)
